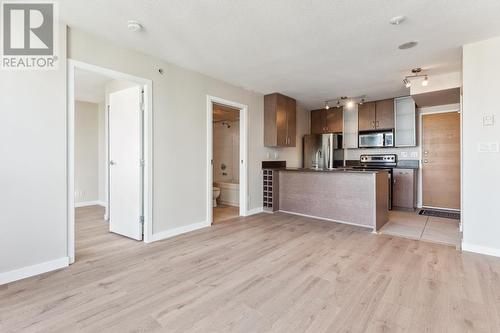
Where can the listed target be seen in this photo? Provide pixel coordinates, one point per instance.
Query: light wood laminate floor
(264, 273)
(225, 212)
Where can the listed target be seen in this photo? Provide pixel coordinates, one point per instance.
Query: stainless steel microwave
(376, 139)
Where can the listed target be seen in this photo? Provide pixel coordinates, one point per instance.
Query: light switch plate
(488, 120)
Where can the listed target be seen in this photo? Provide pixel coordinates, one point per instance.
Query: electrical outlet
(488, 147)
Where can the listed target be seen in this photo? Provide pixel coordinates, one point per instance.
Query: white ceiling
(312, 50)
(90, 87)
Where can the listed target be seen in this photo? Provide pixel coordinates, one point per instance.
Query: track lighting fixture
(345, 101)
(416, 75)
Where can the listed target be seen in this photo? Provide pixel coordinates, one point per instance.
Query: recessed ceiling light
(134, 26)
(397, 20)
(408, 45)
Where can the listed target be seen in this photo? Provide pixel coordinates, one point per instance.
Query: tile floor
(427, 228)
(224, 212)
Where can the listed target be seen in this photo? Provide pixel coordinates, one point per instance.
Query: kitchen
(362, 165)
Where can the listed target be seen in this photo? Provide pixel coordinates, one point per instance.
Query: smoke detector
(134, 26)
(397, 20)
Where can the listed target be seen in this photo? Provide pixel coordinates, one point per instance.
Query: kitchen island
(356, 197)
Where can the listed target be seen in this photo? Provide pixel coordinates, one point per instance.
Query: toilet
(216, 194)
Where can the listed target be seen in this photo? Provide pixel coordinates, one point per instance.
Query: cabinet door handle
(373, 124)
(377, 123)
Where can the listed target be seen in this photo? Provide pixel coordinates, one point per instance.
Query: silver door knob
(112, 162)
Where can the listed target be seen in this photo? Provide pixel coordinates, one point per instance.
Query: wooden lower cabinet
(404, 188)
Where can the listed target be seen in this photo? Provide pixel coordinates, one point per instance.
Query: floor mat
(440, 213)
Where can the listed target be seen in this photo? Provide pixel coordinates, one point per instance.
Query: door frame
(147, 84)
(429, 111)
(243, 188)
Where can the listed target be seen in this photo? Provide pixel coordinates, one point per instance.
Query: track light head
(425, 81)
(326, 105)
(407, 83)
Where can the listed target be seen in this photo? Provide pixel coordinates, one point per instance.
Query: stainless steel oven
(380, 162)
(376, 139)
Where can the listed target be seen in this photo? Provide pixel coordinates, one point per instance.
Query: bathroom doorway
(227, 160)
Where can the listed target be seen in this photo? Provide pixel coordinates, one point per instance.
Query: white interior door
(125, 167)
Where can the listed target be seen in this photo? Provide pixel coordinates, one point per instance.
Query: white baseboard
(255, 211)
(25, 272)
(481, 249)
(179, 231)
(229, 203)
(90, 203)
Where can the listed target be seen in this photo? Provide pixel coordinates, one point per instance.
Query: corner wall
(481, 170)
(33, 182)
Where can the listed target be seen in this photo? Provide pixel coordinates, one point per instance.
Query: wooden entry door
(441, 160)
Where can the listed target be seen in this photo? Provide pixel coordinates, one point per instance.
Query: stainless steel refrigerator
(322, 151)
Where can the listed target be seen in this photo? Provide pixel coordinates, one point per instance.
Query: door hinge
(141, 219)
(142, 100)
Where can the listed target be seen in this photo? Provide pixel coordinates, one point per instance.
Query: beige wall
(179, 107)
(86, 152)
(481, 176)
(33, 169)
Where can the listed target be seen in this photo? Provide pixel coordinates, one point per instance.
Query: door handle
(426, 161)
(112, 162)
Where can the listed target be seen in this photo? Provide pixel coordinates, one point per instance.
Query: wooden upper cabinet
(384, 114)
(291, 110)
(318, 121)
(377, 115)
(327, 121)
(366, 116)
(335, 120)
(279, 121)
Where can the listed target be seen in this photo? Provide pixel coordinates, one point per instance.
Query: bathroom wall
(226, 143)
(86, 152)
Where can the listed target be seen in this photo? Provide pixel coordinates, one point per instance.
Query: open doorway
(226, 172)
(226, 157)
(109, 154)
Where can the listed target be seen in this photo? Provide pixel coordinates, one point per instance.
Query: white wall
(226, 150)
(438, 82)
(86, 152)
(179, 107)
(33, 169)
(481, 171)
(102, 157)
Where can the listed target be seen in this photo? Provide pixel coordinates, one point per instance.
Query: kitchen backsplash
(409, 153)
